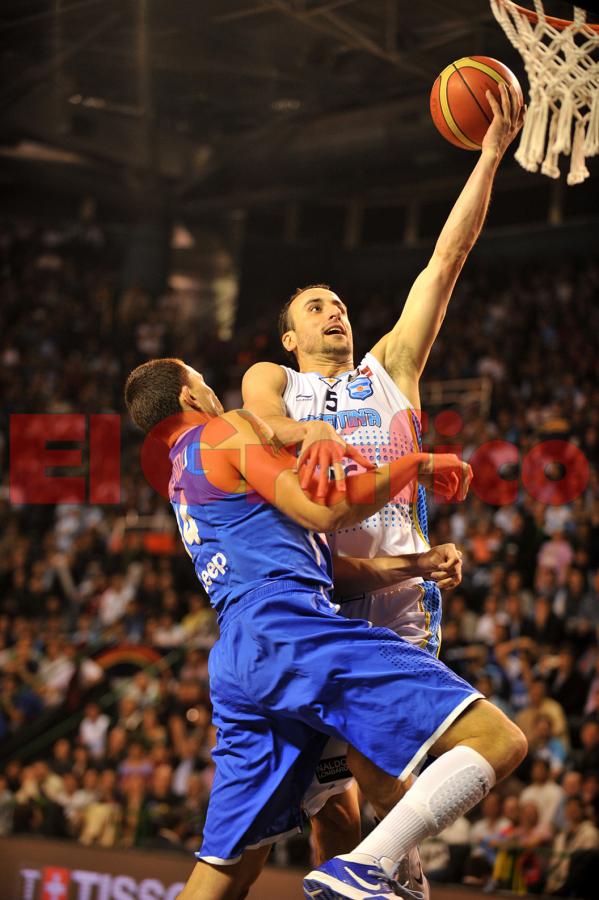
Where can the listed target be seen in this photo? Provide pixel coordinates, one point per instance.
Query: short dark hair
(152, 391)
(285, 321)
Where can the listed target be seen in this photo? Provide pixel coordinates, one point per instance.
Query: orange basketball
(459, 107)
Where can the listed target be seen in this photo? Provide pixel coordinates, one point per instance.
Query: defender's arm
(352, 576)
(235, 445)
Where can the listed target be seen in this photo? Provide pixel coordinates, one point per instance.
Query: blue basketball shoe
(345, 878)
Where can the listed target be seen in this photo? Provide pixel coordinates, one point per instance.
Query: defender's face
(200, 396)
(320, 325)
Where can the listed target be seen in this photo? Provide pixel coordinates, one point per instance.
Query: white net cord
(563, 114)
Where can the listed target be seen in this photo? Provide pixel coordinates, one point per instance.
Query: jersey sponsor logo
(333, 769)
(216, 567)
(304, 396)
(347, 419)
(360, 387)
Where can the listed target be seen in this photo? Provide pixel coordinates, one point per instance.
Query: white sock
(452, 785)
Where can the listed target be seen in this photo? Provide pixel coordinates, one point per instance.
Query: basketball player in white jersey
(374, 405)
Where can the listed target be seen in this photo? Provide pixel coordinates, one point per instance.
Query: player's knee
(504, 746)
(518, 747)
(507, 746)
(488, 730)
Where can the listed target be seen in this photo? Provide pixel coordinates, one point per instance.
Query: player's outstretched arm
(353, 576)
(237, 444)
(405, 349)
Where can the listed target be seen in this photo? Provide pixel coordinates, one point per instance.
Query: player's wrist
(492, 154)
(422, 564)
(425, 463)
(404, 566)
(417, 565)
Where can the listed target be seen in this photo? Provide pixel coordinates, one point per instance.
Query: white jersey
(368, 409)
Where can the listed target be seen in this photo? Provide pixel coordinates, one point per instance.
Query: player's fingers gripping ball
(459, 104)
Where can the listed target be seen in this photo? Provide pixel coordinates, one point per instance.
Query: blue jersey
(239, 542)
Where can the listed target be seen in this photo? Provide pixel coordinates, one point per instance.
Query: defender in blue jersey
(287, 672)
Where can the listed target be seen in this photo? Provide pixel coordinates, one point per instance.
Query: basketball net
(561, 62)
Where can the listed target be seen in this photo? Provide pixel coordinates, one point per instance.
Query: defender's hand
(442, 564)
(447, 475)
(323, 447)
(508, 118)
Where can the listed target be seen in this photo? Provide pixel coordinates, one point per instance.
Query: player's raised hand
(442, 564)
(508, 118)
(322, 447)
(447, 475)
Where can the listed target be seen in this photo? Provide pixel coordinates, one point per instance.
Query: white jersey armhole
(289, 375)
(384, 376)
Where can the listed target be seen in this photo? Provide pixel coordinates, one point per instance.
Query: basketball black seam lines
(472, 94)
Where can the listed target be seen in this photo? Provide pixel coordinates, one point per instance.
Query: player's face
(320, 325)
(199, 395)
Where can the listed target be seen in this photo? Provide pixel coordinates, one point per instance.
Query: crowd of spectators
(121, 757)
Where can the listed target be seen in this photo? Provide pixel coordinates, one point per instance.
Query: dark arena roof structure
(228, 104)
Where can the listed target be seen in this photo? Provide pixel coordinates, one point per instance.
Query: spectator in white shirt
(479, 865)
(578, 834)
(93, 730)
(492, 820)
(55, 673)
(114, 600)
(572, 787)
(543, 792)
(487, 623)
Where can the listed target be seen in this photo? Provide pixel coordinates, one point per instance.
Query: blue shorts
(286, 674)
(414, 613)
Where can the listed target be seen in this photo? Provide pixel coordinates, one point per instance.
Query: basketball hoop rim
(559, 24)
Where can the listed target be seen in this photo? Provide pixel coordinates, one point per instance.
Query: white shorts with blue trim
(286, 674)
(413, 611)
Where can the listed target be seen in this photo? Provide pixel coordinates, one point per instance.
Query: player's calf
(383, 791)
(336, 827)
(232, 882)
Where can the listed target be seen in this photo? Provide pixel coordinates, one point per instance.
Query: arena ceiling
(221, 103)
